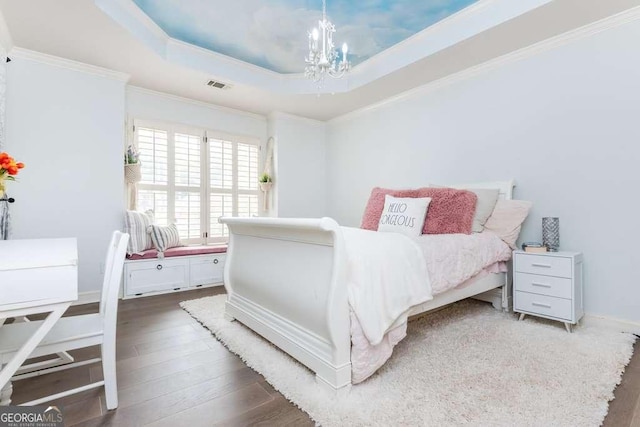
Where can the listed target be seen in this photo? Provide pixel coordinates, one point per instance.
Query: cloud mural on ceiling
(273, 34)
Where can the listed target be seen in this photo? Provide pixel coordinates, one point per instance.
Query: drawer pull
(538, 304)
(215, 261)
(159, 267)
(540, 285)
(540, 265)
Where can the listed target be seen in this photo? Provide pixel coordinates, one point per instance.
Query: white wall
(300, 175)
(68, 128)
(562, 123)
(149, 105)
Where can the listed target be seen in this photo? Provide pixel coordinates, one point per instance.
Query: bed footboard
(286, 280)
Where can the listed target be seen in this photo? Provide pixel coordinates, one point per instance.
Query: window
(192, 177)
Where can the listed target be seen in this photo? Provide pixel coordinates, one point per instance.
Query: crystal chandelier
(323, 57)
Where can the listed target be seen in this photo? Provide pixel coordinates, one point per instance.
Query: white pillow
(405, 215)
(135, 224)
(164, 238)
(507, 218)
(487, 199)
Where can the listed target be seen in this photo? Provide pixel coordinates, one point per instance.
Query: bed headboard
(505, 187)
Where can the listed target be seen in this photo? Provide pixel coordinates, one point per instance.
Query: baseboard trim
(87, 297)
(613, 323)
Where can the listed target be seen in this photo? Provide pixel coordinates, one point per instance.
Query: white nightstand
(548, 285)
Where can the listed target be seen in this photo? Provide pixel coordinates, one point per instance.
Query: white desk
(36, 276)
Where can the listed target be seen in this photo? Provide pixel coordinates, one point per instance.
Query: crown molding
(438, 26)
(275, 115)
(131, 17)
(468, 22)
(69, 64)
(221, 57)
(563, 39)
(445, 33)
(210, 106)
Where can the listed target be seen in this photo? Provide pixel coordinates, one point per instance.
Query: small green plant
(131, 157)
(264, 178)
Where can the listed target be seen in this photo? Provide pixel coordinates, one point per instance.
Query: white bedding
(389, 273)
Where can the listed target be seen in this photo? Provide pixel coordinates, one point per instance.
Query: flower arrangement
(131, 157)
(9, 168)
(132, 169)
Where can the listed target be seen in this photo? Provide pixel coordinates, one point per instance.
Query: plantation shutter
(153, 190)
(187, 172)
(191, 180)
(221, 182)
(247, 180)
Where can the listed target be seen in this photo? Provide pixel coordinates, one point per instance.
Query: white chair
(74, 332)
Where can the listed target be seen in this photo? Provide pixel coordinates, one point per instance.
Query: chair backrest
(112, 275)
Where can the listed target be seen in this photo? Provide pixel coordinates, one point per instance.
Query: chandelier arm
(325, 61)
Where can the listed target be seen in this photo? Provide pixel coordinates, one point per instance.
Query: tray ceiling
(272, 34)
(117, 35)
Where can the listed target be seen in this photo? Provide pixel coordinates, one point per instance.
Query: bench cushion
(180, 251)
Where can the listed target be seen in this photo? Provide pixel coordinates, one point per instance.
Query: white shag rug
(466, 364)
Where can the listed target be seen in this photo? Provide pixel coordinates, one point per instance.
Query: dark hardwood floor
(624, 410)
(172, 372)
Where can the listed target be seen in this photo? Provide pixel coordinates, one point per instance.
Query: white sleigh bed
(286, 279)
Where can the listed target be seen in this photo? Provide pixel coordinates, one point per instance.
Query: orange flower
(9, 165)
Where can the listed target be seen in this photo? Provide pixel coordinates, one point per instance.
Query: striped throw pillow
(164, 238)
(135, 224)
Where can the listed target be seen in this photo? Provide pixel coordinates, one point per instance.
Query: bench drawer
(156, 276)
(207, 269)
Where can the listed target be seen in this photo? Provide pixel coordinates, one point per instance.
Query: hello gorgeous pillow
(450, 211)
(404, 215)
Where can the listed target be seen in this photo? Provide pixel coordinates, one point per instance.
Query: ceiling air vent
(218, 85)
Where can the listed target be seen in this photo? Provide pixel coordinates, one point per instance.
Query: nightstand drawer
(544, 305)
(546, 265)
(544, 285)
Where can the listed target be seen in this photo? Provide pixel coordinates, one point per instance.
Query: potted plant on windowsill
(132, 172)
(265, 182)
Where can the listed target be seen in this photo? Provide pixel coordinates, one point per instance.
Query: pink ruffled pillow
(451, 211)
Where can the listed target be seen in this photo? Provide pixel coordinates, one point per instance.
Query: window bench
(182, 268)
